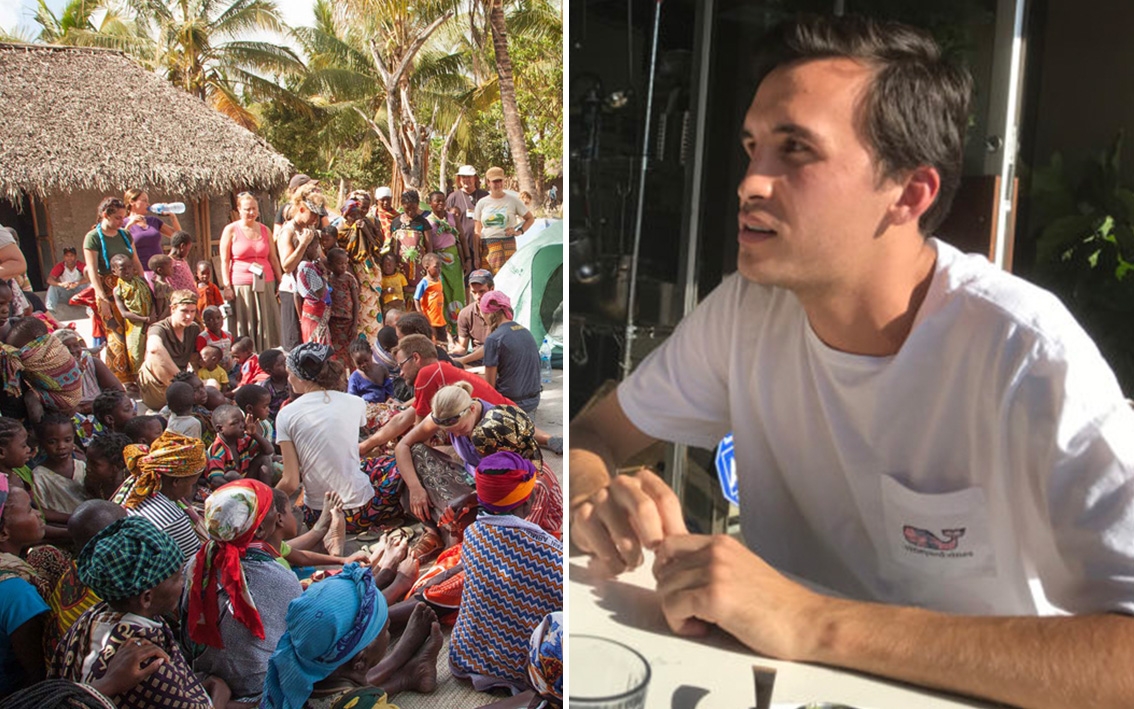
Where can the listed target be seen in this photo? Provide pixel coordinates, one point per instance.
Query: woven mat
(452, 693)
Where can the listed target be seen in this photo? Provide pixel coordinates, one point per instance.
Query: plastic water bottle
(545, 362)
(168, 208)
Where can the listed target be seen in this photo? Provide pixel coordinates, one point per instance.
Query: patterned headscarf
(3, 492)
(127, 558)
(170, 454)
(545, 659)
(307, 360)
(330, 623)
(504, 481)
(495, 301)
(46, 365)
(233, 513)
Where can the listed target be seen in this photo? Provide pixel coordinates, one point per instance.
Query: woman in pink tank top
(250, 271)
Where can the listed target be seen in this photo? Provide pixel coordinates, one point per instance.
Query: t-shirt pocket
(942, 535)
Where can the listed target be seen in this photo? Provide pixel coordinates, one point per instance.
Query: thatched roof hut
(82, 123)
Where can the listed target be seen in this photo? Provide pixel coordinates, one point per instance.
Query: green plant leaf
(1061, 233)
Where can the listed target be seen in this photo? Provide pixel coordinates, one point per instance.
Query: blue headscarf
(330, 623)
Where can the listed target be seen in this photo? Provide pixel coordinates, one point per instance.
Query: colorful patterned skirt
(383, 509)
(497, 252)
(453, 284)
(369, 300)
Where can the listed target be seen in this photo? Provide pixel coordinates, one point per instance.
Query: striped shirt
(168, 516)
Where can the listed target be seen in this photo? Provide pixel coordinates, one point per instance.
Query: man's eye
(794, 146)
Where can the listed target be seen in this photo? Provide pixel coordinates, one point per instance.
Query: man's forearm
(1024, 661)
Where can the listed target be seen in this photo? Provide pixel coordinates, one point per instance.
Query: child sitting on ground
(394, 285)
(203, 404)
(369, 380)
(215, 335)
(179, 398)
(429, 298)
(211, 372)
(243, 353)
(58, 480)
(254, 400)
(274, 362)
(112, 409)
(240, 449)
(384, 345)
(144, 430)
(106, 466)
(292, 549)
(208, 294)
(162, 268)
(136, 304)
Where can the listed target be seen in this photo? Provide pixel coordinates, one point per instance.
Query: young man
(67, 277)
(933, 439)
(472, 330)
(461, 203)
(496, 216)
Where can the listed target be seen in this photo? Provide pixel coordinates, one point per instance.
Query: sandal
(428, 545)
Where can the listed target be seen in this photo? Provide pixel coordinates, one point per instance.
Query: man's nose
(757, 181)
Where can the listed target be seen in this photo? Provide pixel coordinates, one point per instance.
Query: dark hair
(70, 250)
(203, 262)
(224, 412)
(179, 238)
(280, 500)
(187, 377)
(358, 346)
(109, 446)
(105, 403)
(210, 310)
(388, 338)
(135, 427)
(414, 324)
(411, 196)
(337, 253)
(59, 693)
(179, 396)
(434, 193)
(243, 343)
(332, 376)
(23, 330)
(53, 418)
(417, 344)
(9, 427)
(268, 358)
(250, 395)
(108, 204)
(158, 260)
(914, 112)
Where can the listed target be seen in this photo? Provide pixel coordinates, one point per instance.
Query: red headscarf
(233, 513)
(504, 481)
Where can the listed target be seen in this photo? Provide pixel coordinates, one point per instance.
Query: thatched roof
(78, 118)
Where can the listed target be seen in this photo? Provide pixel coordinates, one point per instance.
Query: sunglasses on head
(451, 420)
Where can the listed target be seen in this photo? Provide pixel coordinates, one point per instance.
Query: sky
(21, 13)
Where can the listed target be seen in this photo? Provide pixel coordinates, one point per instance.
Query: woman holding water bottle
(145, 229)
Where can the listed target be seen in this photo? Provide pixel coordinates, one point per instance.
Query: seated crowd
(206, 553)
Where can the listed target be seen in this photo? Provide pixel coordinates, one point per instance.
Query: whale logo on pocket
(925, 539)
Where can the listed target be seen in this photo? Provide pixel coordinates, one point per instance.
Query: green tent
(533, 280)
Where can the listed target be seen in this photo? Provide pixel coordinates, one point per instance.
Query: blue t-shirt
(368, 391)
(19, 603)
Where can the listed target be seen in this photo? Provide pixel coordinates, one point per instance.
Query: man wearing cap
(496, 216)
(462, 201)
(472, 329)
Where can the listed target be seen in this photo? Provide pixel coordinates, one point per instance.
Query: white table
(716, 672)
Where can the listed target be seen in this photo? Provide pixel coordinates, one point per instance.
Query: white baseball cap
(382, 192)
(466, 171)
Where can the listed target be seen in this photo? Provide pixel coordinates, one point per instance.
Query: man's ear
(146, 599)
(920, 189)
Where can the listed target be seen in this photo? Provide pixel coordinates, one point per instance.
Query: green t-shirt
(110, 246)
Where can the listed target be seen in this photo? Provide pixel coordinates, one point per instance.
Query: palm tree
(197, 44)
(370, 57)
(75, 27)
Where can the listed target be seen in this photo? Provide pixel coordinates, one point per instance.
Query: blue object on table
(726, 470)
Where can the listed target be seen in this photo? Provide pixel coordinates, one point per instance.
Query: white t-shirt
(985, 468)
(496, 215)
(323, 426)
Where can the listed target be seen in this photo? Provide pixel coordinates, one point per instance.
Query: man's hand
(716, 580)
(618, 520)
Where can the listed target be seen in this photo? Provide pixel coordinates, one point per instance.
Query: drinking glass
(606, 674)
